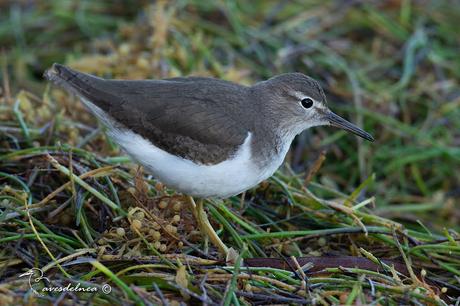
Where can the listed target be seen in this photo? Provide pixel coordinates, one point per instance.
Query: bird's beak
(337, 121)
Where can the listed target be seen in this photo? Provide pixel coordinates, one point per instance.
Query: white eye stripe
(300, 95)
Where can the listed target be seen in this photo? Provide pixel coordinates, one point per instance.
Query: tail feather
(61, 71)
(81, 84)
(64, 77)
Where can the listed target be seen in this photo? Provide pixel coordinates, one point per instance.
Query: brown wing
(175, 115)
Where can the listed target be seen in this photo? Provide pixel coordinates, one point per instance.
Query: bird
(204, 137)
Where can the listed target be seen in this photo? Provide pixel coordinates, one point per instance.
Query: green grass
(74, 206)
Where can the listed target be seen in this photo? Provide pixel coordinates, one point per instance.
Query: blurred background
(390, 66)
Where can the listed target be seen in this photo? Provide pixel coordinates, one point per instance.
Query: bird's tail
(67, 78)
(86, 86)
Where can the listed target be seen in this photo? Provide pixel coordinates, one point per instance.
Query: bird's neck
(271, 147)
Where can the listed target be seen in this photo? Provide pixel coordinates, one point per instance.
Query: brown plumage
(205, 121)
(178, 115)
(205, 137)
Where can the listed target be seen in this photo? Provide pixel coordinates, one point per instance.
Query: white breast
(221, 180)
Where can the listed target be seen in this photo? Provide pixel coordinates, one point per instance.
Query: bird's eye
(307, 102)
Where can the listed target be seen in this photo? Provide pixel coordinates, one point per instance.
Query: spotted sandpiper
(205, 137)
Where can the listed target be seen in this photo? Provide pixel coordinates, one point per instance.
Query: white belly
(221, 180)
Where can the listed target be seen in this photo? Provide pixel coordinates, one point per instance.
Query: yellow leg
(205, 226)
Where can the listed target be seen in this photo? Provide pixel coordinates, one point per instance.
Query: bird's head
(298, 102)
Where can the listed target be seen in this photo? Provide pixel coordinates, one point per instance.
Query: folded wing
(195, 118)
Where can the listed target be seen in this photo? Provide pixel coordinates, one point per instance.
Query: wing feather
(174, 114)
